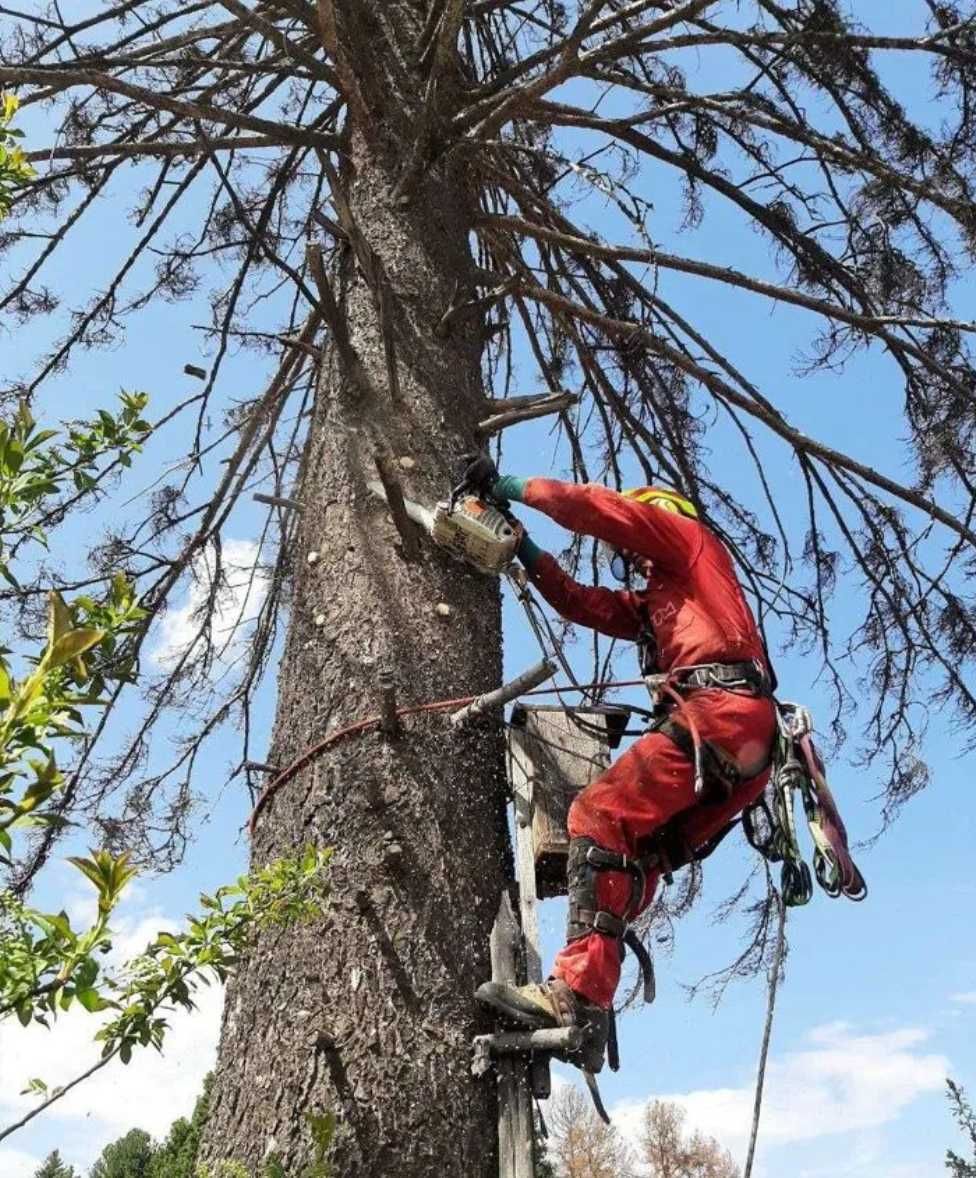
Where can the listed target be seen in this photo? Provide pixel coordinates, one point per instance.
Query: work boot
(553, 1004)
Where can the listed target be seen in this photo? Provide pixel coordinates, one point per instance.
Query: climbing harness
(770, 825)
(714, 771)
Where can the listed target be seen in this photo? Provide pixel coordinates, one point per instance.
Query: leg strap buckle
(583, 921)
(601, 859)
(609, 925)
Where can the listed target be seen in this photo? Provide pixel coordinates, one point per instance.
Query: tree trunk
(370, 1014)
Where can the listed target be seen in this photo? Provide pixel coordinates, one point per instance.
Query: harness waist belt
(748, 675)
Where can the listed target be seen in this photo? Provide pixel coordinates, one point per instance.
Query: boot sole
(523, 1013)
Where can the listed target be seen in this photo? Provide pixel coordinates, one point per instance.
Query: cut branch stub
(506, 693)
(278, 501)
(459, 308)
(515, 409)
(334, 316)
(398, 510)
(389, 722)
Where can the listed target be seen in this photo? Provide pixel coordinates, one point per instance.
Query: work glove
(480, 473)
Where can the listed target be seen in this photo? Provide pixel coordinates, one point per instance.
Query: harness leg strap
(586, 858)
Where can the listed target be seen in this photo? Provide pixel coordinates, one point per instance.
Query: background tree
(129, 1157)
(965, 1118)
(176, 1157)
(581, 1144)
(475, 180)
(668, 1153)
(54, 1167)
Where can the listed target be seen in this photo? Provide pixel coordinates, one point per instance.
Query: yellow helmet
(663, 498)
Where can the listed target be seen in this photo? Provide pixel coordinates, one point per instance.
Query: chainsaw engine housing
(476, 533)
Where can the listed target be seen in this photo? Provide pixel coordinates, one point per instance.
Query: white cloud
(968, 998)
(149, 1093)
(239, 601)
(850, 1083)
(15, 1164)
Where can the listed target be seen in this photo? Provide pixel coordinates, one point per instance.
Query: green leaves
(14, 168)
(86, 648)
(210, 946)
(108, 875)
(34, 470)
(47, 966)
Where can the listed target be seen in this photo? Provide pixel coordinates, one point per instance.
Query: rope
(767, 1032)
(373, 722)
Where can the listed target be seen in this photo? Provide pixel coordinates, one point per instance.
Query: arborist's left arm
(612, 612)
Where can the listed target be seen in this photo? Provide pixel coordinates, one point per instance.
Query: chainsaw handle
(457, 493)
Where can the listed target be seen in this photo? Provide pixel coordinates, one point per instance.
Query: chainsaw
(468, 527)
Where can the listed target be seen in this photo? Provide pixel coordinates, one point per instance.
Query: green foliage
(37, 465)
(281, 893)
(129, 1157)
(53, 1167)
(46, 965)
(965, 1118)
(88, 641)
(14, 168)
(323, 1131)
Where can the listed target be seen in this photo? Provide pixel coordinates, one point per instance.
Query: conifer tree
(965, 1118)
(54, 1167)
(130, 1156)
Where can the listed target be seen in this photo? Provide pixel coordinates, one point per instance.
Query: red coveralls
(697, 614)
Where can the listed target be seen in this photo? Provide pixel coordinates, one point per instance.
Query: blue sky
(879, 1002)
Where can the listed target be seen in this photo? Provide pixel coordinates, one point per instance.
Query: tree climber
(675, 790)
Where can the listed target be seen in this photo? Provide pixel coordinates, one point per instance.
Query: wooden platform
(552, 756)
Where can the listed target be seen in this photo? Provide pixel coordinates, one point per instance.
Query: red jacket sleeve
(611, 612)
(672, 541)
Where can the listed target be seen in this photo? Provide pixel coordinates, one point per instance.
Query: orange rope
(361, 726)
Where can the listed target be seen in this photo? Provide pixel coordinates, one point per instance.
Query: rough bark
(371, 1013)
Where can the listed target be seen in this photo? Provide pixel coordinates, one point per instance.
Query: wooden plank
(539, 1078)
(514, 1103)
(522, 791)
(550, 760)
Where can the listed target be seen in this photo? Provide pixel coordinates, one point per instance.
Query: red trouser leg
(644, 788)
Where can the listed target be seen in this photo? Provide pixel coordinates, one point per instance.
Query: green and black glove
(480, 473)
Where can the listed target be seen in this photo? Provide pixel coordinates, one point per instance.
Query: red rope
(361, 726)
